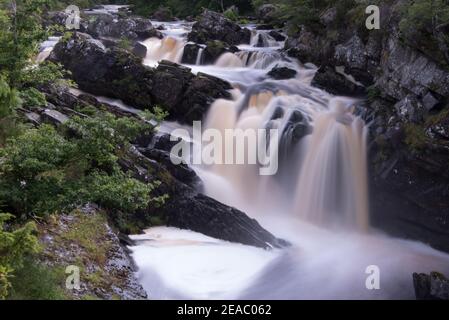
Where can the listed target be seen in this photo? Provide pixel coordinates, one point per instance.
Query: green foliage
(373, 93)
(124, 43)
(14, 247)
(420, 25)
(119, 191)
(32, 98)
(232, 14)
(35, 281)
(43, 172)
(9, 101)
(43, 74)
(21, 32)
(423, 15)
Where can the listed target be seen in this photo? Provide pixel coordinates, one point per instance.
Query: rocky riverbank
(407, 90)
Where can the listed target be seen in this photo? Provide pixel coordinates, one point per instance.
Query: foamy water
(318, 200)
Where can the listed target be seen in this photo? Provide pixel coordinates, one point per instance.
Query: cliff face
(407, 86)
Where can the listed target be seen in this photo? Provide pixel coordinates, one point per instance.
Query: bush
(9, 101)
(14, 247)
(32, 98)
(35, 281)
(44, 172)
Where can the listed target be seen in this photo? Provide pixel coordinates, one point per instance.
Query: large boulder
(187, 208)
(431, 287)
(116, 73)
(190, 53)
(107, 25)
(214, 26)
(327, 78)
(280, 73)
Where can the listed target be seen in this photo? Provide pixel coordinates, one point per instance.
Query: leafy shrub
(9, 101)
(43, 172)
(32, 98)
(232, 14)
(14, 247)
(36, 281)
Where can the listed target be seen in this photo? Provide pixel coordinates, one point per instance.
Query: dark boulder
(181, 172)
(190, 53)
(431, 287)
(328, 79)
(108, 26)
(186, 208)
(117, 74)
(264, 27)
(214, 49)
(199, 95)
(214, 26)
(277, 35)
(139, 50)
(280, 73)
(208, 216)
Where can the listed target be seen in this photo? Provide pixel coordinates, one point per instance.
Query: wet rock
(108, 26)
(329, 16)
(189, 209)
(306, 46)
(430, 101)
(214, 26)
(117, 74)
(431, 287)
(328, 79)
(190, 53)
(208, 216)
(352, 55)
(139, 50)
(264, 27)
(198, 96)
(410, 109)
(408, 71)
(33, 118)
(181, 172)
(164, 142)
(280, 73)
(277, 35)
(54, 117)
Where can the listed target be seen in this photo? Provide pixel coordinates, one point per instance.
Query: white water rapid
(318, 200)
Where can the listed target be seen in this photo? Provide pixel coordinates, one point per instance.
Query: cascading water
(317, 200)
(168, 48)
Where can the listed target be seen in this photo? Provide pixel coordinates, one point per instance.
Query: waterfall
(229, 60)
(168, 48)
(199, 57)
(262, 39)
(330, 188)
